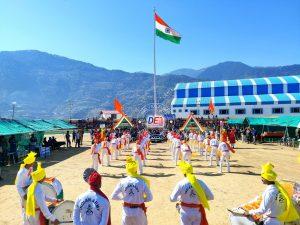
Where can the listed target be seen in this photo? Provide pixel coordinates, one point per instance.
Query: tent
(237, 121)
(191, 123)
(123, 122)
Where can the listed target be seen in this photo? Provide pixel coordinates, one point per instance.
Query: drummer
(23, 180)
(36, 208)
(92, 207)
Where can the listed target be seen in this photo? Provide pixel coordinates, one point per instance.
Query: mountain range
(50, 86)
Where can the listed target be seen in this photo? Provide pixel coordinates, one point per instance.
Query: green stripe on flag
(171, 38)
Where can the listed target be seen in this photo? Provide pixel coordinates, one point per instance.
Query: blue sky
(118, 34)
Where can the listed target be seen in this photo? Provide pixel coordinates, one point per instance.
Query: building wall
(267, 110)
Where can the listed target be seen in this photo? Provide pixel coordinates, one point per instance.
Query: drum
(63, 212)
(55, 183)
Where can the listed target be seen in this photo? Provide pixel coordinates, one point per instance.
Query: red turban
(95, 184)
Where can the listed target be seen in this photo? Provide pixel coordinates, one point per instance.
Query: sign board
(169, 116)
(155, 121)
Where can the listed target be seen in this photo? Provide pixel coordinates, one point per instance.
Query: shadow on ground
(9, 172)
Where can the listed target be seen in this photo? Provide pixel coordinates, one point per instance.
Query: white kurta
(134, 191)
(23, 180)
(272, 205)
(184, 192)
(225, 155)
(186, 152)
(40, 201)
(91, 209)
(213, 153)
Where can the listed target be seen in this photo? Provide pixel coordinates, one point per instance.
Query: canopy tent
(123, 122)
(237, 121)
(260, 121)
(10, 127)
(191, 123)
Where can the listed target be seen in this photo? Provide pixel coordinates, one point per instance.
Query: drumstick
(237, 213)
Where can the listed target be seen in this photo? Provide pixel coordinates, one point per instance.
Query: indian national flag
(164, 31)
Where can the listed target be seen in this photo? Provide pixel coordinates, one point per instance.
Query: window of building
(180, 93)
(233, 90)
(219, 91)
(193, 92)
(293, 88)
(174, 110)
(206, 112)
(186, 110)
(277, 88)
(224, 111)
(262, 89)
(257, 111)
(295, 110)
(277, 110)
(240, 111)
(180, 110)
(247, 90)
(194, 112)
(205, 92)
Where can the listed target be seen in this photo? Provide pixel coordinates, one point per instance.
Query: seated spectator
(13, 149)
(32, 143)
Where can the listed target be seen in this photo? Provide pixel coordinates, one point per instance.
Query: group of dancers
(191, 194)
(207, 144)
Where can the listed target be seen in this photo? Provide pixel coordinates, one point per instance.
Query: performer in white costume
(134, 192)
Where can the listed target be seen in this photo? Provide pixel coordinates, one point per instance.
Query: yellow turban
(290, 214)
(30, 158)
(37, 176)
(131, 169)
(268, 173)
(187, 170)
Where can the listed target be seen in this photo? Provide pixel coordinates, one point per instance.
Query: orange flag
(211, 107)
(118, 106)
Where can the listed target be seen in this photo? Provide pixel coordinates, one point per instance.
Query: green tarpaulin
(236, 121)
(10, 127)
(281, 121)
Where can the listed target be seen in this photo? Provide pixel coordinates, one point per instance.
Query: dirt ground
(230, 190)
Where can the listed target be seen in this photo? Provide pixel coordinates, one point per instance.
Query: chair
(44, 152)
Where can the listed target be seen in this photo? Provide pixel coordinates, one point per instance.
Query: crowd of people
(191, 194)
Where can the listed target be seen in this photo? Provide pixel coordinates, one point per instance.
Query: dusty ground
(230, 190)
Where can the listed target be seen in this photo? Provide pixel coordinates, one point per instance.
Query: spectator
(77, 140)
(254, 133)
(68, 139)
(74, 136)
(1, 157)
(32, 143)
(45, 143)
(13, 149)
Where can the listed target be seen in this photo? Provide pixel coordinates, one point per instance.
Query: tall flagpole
(154, 67)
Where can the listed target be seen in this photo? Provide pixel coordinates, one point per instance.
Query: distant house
(266, 96)
(110, 114)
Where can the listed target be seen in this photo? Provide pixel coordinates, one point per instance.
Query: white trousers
(34, 220)
(225, 157)
(186, 219)
(140, 162)
(105, 153)
(95, 161)
(24, 218)
(115, 151)
(213, 154)
(206, 152)
(201, 150)
(173, 151)
(139, 219)
(187, 156)
(176, 154)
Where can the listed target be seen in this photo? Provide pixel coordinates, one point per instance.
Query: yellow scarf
(290, 214)
(187, 169)
(37, 176)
